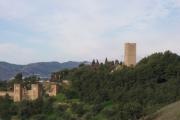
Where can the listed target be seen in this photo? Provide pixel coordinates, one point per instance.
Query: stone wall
(54, 88)
(35, 92)
(21, 93)
(18, 90)
(4, 93)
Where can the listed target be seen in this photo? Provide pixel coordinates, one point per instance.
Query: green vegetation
(108, 91)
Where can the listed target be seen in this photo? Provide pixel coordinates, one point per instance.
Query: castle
(21, 93)
(51, 88)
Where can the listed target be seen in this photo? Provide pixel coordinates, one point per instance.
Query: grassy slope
(170, 112)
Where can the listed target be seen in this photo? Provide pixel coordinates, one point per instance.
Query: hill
(43, 69)
(132, 91)
(169, 112)
(99, 91)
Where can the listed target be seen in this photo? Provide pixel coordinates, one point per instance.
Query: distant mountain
(43, 69)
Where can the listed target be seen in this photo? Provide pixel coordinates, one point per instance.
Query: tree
(106, 61)
(7, 108)
(93, 62)
(116, 62)
(97, 62)
(18, 78)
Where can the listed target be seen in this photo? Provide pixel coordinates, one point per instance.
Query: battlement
(4, 93)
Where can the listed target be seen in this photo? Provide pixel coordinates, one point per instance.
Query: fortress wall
(54, 90)
(35, 91)
(21, 93)
(27, 95)
(18, 92)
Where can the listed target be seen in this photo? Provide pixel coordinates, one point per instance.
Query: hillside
(99, 91)
(169, 112)
(132, 91)
(44, 69)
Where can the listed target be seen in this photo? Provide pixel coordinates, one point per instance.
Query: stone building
(21, 93)
(130, 54)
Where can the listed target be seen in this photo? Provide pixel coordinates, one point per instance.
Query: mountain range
(43, 69)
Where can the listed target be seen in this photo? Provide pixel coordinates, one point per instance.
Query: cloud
(87, 29)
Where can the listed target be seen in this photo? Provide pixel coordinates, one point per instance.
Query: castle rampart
(21, 93)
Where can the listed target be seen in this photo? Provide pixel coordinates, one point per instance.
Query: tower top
(128, 43)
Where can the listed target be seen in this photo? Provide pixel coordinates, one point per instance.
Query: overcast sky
(78, 30)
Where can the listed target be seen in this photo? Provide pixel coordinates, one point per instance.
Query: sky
(79, 30)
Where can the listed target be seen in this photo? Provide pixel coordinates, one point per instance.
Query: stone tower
(35, 91)
(17, 92)
(130, 54)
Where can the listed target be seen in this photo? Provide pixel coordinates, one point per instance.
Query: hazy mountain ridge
(44, 69)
